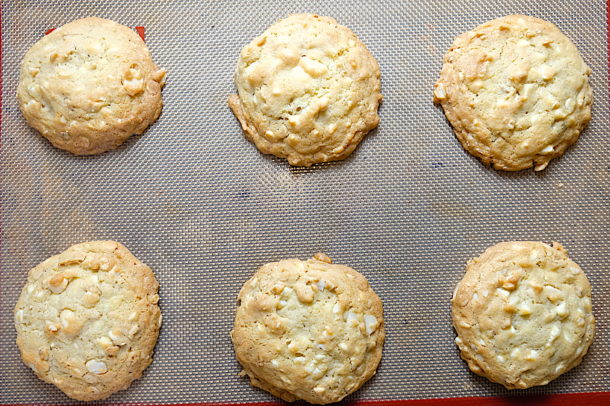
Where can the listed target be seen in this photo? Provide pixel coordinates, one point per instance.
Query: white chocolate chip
(503, 292)
(533, 355)
(439, 92)
(337, 308)
(52, 327)
(351, 318)
(96, 367)
(327, 333)
(370, 323)
(292, 347)
(321, 284)
(66, 316)
(546, 72)
(562, 311)
(555, 330)
(104, 342)
(525, 310)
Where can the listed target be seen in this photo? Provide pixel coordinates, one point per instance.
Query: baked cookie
(516, 92)
(87, 319)
(308, 90)
(90, 85)
(308, 330)
(523, 314)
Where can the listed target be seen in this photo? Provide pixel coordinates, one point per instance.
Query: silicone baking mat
(199, 204)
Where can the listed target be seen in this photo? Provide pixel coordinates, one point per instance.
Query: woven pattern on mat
(199, 204)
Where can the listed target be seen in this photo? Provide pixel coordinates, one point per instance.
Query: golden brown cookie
(308, 90)
(516, 92)
(523, 314)
(308, 330)
(89, 85)
(87, 319)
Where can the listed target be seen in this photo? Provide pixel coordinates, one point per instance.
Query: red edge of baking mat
(565, 399)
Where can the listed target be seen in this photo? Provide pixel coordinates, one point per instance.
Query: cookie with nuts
(523, 314)
(308, 89)
(87, 319)
(308, 330)
(89, 85)
(516, 92)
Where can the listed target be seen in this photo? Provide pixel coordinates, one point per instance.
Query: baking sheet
(199, 204)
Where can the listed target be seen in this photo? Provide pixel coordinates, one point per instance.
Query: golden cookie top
(523, 313)
(516, 92)
(87, 319)
(89, 85)
(308, 90)
(308, 330)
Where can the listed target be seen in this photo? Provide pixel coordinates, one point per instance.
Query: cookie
(516, 92)
(523, 314)
(87, 319)
(308, 90)
(90, 85)
(308, 330)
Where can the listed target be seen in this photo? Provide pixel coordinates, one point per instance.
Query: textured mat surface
(199, 204)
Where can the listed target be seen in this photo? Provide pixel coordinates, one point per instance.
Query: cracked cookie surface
(516, 92)
(87, 319)
(89, 85)
(308, 89)
(523, 314)
(308, 330)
